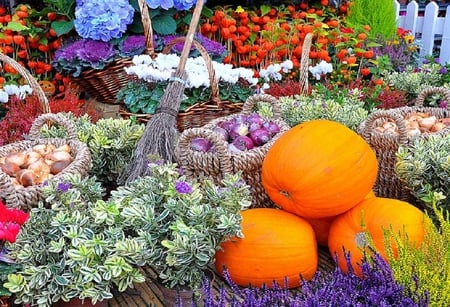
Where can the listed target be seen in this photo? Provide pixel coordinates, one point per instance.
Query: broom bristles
(160, 134)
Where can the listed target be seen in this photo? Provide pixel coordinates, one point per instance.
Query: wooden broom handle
(190, 35)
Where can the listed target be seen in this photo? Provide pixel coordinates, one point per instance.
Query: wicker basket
(104, 84)
(386, 145)
(215, 164)
(28, 197)
(200, 113)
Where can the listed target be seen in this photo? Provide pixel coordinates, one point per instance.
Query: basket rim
(32, 82)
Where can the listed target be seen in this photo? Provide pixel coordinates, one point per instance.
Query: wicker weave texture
(386, 145)
(221, 161)
(28, 197)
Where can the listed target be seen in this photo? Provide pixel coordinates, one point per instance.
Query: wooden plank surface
(148, 293)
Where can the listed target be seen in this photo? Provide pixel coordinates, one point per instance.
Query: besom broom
(161, 133)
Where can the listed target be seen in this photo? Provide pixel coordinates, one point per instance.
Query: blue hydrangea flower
(102, 19)
(164, 4)
(183, 187)
(183, 5)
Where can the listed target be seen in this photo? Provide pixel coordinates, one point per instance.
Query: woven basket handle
(445, 92)
(304, 64)
(30, 80)
(220, 147)
(52, 118)
(370, 125)
(8, 191)
(147, 26)
(209, 67)
(252, 103)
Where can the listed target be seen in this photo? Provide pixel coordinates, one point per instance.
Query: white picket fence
(427, 28)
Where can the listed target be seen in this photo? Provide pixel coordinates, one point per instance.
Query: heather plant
(377, 287)
(298, 109)
(430, 262)
(400, 51)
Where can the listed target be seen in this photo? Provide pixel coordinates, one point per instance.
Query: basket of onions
(232, 144)
(25, 166)
(387, 130)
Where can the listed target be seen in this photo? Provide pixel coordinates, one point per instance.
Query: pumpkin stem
(361, 239)
(285, 194)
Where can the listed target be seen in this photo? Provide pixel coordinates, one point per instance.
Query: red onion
(260, 136)
(243, 142)
(226, 125)
(238, 129)
(272, 127)
(222, 132)
(201, 144)
(240, 118)
(255, 118)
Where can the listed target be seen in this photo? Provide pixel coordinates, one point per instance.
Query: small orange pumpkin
(373, 216)
(318, 169)
(276, 244)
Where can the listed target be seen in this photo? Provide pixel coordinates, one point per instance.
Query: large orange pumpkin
(319, 169)
(373, 217)
(276, 244)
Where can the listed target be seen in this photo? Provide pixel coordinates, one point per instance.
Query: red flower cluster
(11, 220)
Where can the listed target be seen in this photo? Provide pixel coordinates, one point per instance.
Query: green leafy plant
(429, 263)
(379, 15)
(183, 221)
(110, 140)
(298, 109)
(144, 97)
(425, 163)
(75, 245)
(413, 80)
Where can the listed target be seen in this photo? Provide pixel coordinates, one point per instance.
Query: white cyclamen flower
(4, 97)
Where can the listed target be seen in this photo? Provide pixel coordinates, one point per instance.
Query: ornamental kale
(216, 50)
(83, 54)
(102, 19)
(132, 45)
(377, 288)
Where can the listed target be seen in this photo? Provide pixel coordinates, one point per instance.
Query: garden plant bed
(148, 293)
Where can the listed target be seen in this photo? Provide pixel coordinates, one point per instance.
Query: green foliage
(425, 164)
(75, 245)
(303, 108)
(379, 15)
(111, 142)
(414, 80)
(144, 97)
(429, 263)
(183, 222)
